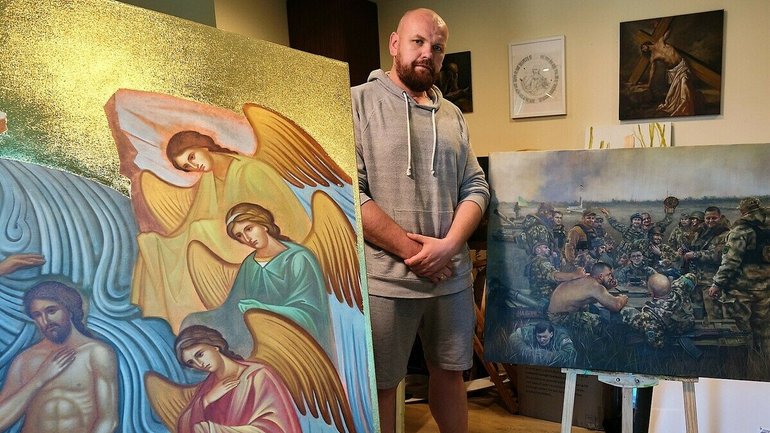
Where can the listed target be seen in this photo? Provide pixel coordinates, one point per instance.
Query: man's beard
(414, 80)
(609, 284)
(57, 333)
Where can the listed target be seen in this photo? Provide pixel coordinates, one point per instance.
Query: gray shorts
(445, 325)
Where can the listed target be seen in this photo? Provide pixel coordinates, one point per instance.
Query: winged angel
(255, 394)
(187, 261)
(190, 165)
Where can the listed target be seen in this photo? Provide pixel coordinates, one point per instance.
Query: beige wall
(590, 27)
(260, 19)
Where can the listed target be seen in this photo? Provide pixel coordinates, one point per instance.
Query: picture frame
(671, 66)
(455, 80)
(537, 77)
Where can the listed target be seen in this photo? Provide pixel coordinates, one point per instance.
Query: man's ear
(393, 44)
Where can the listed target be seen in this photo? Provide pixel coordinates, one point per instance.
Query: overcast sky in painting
(631, 174)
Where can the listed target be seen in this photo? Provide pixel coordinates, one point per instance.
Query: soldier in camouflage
(704, 257)
(636, 272)
(669, 312)
(539, 228)
(661, 225)
(744, 275)
(542, 344)
(696, 223)
(629, 233)
(678, 237)
(543, 276)
(657, 255)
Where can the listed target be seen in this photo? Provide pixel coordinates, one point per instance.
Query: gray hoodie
(416, 163)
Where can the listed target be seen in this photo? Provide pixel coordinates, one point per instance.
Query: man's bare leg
(448, 400)
(386, 404)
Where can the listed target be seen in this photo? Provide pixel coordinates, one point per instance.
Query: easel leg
(690, 410)
(628, 410)
(569, 401)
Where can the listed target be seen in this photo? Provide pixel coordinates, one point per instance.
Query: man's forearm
(382, 231)
(467, 217)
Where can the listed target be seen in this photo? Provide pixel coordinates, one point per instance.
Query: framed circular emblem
(537, 78)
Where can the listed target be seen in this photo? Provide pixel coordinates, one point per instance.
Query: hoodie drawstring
(408, 136)
(409, 139)
(435, 143)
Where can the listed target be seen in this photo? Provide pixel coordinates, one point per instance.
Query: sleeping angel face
(196, 159)
(192, 151)
(202, 357)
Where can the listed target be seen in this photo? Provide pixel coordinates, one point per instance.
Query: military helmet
(537, 244)
(749, 204)
(698, 215)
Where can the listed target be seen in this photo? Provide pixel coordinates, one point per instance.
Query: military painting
(649, 261)
(178, 240)
(671, 66)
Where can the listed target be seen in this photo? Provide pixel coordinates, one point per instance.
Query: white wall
(486, 27)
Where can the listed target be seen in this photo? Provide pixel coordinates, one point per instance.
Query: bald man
(669, 312)
(423, 194)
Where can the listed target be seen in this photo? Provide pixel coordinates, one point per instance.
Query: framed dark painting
(455, 81)
(671, 66)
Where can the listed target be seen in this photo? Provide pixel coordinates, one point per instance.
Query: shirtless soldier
(570, 300)
(67, 382)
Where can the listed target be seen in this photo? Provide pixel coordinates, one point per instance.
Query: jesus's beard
(57, 333)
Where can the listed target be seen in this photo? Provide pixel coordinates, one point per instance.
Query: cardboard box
(541, 395)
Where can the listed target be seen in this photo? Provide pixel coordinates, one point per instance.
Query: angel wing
(168, 204)
(168, 399)
(212, 277)
(306, 370)
(297, 156)
(332, 240)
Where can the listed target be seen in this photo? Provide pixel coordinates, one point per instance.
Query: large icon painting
(650, 261)
(178, 230)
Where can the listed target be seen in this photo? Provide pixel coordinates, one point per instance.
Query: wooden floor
(486, 415)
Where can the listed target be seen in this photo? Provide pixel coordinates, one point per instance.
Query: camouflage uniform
(582, 321)
(631, 274)
(678, 238)
(744, 276)
(653, 260)
(664, 316)
(707, 247)
(540, 272)
(663, 224)
(534, 231)
(560, 351)
(629, 235)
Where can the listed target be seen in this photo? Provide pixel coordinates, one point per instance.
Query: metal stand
(627, 381)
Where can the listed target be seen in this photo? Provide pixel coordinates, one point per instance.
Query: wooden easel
(627, 381)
